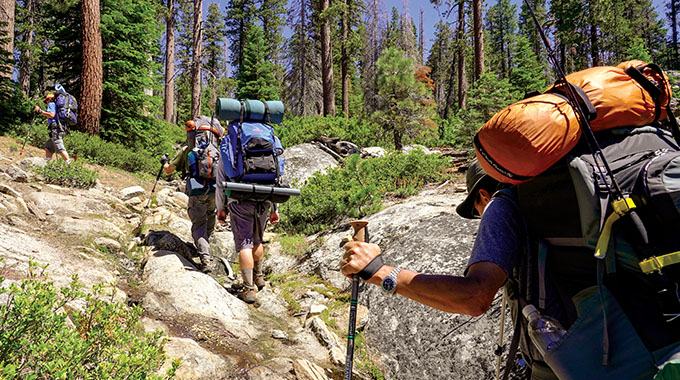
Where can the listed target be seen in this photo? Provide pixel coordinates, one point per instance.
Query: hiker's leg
(49, 149)
(211, 211)
(60, 148)
(197, 215)
(261, 218)
(241, 217)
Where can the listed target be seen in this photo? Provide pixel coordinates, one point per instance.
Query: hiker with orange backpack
(198, 162)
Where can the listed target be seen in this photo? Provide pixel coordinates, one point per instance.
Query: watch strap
(372, 267)
(393, 276)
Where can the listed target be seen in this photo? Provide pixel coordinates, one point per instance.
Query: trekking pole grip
(360, 234)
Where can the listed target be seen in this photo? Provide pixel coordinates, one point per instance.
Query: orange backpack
(527, 137)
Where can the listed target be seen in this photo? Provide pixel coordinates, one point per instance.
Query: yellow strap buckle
(656, 263)
(623, 206)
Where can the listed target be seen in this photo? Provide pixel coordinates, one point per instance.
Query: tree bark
(326, 63)
(303, 58)
(196, 61)
(675, 49)
(25, 62)
(90, 107)
(462, 79)
(169, 101)
(344, 63)
(7, 16)
(478, 37)
(421, 39)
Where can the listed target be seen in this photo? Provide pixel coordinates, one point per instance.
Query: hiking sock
(257, 271)
(68, 162)
(247, 275)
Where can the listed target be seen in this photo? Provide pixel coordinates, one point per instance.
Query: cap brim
(465, 209)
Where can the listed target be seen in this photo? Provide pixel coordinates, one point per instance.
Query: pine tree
(238, 20)
(527, 25)
(183, 58)
(215, 67)
(528, 74)
(130, 29)
(404, 105)
(27, 30)
(441, 56)
(324, 26)
(370, 57)
(169, 78)
(501, 30)
(256, 79)
(303, 84)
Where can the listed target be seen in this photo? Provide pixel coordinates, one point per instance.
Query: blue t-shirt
(51, 107)
(501, 239)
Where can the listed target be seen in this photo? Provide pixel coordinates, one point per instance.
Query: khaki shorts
(56, 142)
(248, 221)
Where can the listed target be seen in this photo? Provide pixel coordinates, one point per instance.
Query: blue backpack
(251, 153)
(67, 110)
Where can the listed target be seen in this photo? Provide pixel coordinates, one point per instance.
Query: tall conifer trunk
(196, 61)
(7, 19)
(27, 55)
(91, 77)
(169, 101)
(462, 79)
(478, 34)
(326, 62)
(344, 64)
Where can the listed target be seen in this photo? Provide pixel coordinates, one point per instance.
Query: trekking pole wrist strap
(372, 267)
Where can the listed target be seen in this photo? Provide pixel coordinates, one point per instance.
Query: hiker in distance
(57, 130)
(565, 293)
(248, 221)
(197, 161)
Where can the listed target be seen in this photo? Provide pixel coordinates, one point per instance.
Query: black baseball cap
(474, 178)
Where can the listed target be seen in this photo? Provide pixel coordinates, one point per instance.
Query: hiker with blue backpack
(61, 114)
(248, 182)
(198, 162)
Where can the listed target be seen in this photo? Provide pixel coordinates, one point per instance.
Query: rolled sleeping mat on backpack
(247, 191)
(270, 111)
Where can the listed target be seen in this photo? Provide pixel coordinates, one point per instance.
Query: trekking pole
(160, 172)
(360, 234)
(28, 133)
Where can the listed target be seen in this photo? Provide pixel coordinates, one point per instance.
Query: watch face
(389, 284)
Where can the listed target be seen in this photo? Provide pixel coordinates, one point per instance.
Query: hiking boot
(259, 281)
(207, 264)
(247, 294)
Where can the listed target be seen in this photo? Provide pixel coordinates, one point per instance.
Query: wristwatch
(389, 283)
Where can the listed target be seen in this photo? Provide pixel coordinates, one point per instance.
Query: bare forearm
(453, 294)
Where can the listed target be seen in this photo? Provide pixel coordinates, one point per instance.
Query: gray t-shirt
(501, 240)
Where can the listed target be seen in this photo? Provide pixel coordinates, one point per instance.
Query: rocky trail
(296, 330)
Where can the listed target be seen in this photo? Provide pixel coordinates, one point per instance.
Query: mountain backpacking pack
(527, 137)
(251, 153)
(67, 110)
(203, 138)
(628, 297)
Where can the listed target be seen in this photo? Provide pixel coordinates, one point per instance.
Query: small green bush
(42, 337)
(357, 189)
(298, 130)
(58, 172)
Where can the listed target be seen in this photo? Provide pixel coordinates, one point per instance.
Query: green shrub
(298, 130)
(58, 172)
(42, 337)
(357, 189)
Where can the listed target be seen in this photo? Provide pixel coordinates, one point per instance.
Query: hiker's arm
(169, 168)
(49, 115)
(471, 295)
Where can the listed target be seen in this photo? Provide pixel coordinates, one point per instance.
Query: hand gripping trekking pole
(360, 234)
(28, 133)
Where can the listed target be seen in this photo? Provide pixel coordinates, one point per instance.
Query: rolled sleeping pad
(247, 191)
(253, 110)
